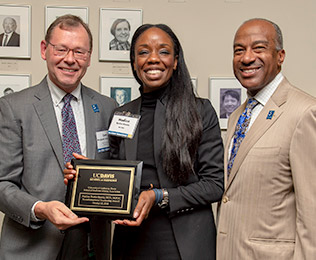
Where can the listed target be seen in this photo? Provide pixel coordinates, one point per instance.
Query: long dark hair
(183, 125)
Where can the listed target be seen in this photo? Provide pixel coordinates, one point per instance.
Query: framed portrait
(10, 83)
(121, 89)
(226, 94)
(15, 31)
(53, 12)
(117, 27)
(194, 82)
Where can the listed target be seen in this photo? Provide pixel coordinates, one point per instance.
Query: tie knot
(67, 98)
(251, 103)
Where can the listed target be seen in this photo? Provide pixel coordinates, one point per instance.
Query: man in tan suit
(268, 210)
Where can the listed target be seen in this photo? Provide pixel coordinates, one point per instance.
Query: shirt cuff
(33, 216)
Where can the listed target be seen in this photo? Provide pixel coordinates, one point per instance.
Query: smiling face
(256, 60)
(66, 72)
(154, 59)
(120, 96)
(230, 104)
(9, 25)
(122, 32)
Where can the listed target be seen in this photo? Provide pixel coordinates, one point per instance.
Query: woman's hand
(145, 202)
(69, 171)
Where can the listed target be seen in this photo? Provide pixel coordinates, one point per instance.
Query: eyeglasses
(62, 51)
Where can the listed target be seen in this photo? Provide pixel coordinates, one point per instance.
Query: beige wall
(205, 29)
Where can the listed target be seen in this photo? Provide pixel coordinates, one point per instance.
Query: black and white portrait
(8, 91)
(10, 36)
(117, 25)
(10, 83)
(229, 101)
(121, 95)
(120, 30)
(15, 31)
(53, 12)
(226, 94)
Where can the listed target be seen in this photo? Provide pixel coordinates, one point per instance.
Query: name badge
(124, 124)
(102, 141)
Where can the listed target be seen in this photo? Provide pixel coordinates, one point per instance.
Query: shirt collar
(58, 94)
(264, 94)
(9, 34)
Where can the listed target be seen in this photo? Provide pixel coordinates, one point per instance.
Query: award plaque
(105, 187)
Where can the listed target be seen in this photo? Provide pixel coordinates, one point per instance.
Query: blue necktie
(240, 131)
(70, 137)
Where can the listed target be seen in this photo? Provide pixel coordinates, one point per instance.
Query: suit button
(225, 199)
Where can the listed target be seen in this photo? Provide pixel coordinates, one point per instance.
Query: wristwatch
(165, 199)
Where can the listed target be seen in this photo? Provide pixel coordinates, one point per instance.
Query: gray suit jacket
(190, 205)
(268, 208)
(31, 164)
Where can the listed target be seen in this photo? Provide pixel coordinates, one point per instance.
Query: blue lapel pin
(95, 108)
(270, 114)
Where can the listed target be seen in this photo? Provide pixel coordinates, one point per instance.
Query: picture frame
(195, 84)
(108, 188)
(117, 25)
(10, 83)
(16, 21)
(53, 12)
(226, 94)
(121, 89)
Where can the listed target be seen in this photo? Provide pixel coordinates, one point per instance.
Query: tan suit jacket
(268, 210)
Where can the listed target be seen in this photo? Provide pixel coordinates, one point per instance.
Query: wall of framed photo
(205, 29)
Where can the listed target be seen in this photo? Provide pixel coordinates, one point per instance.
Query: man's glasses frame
(62, 51)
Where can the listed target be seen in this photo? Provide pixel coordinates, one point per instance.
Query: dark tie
(70, 137)
(5, 40)
(240, 131)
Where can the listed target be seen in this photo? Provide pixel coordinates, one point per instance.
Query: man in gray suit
(32, 191)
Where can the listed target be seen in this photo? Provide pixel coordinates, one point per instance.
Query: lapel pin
(270, 114)
(95, 108)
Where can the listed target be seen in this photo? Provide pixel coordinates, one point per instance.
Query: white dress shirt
(9, 35)
(77, 108)
(262, 97)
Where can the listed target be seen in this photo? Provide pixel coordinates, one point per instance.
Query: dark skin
(256, 59)
(154, 63)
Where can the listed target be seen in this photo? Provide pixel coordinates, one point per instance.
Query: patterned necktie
(240, 131)
(70, 137)
(5, 40)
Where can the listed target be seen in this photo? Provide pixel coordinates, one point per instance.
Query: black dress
(154, 238)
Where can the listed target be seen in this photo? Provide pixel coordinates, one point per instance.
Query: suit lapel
(259, 127)
(46, 113)
(131, 144)
(160, 115)
(91, 118)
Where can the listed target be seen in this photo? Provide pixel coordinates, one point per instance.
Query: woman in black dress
(179, 141)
